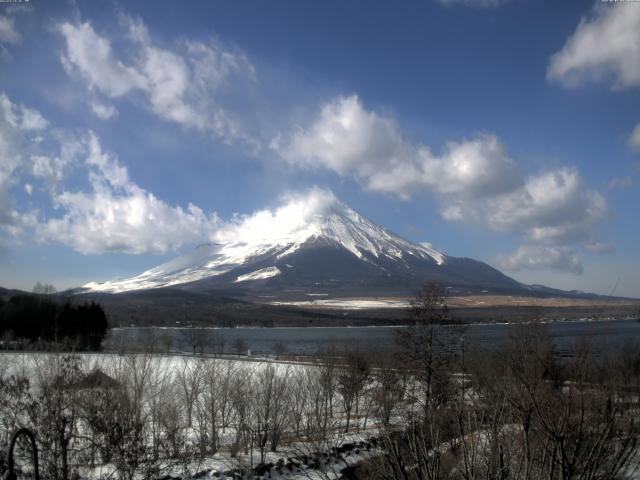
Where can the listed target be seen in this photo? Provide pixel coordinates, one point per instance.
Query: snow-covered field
(184, 400)
(214, 418)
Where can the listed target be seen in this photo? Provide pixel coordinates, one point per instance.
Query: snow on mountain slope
(273, 235)
(259, 274)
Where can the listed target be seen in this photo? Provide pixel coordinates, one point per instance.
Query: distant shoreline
(454, 302)
(604, 317)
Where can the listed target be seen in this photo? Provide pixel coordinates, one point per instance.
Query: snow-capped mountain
(313, 245)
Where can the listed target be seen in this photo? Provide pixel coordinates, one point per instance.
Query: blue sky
(506, 131)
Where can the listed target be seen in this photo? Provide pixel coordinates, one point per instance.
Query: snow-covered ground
(162, 377)
(294, 462)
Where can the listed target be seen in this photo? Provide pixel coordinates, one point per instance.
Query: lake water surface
(603, 335)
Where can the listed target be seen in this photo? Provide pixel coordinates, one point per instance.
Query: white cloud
(107, 171)
(475, 179)
(473, 3)
(104, 111)
(117, 215)
(553, 207)
(604, 47)
(296, 213)
(167, 80)
(92, 56)
(113, 215)
(8, 32)
(634, 138)
(479, 166)
(179, 85)
(347, 138)
(536, 257)
(351, 140)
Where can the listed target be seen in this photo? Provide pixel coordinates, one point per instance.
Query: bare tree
(217, 343)
(241, 392)
(388, 388)
(422, 345)
(352, 379)
(56, 410)
(240, 346)
(160, 386)
(15, 399)
(135, 373)
(215, 408)
(189, 379)
(534, 418)
(195, 340)
(269, 407)
(279, 348)
(320, 386)
(299, 401)
(117, 433)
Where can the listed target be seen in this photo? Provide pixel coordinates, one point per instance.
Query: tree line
(41, 321)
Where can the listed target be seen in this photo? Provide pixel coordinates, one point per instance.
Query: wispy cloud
(19, 125)
(91, 56)
(180, 84)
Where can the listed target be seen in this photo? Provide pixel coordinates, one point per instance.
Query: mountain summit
(314, 245)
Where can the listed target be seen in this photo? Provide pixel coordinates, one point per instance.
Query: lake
(602, 334)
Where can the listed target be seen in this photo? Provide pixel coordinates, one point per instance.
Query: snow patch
(349, 303)
(259, 274)
(438, 256)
